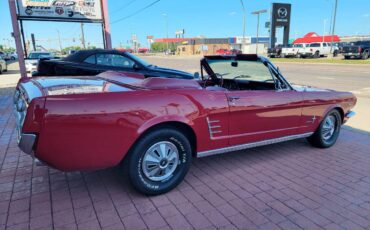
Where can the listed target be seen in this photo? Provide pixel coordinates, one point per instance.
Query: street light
(244, 18)
(334, 20)
(323, 36)
(166, 18)
(258, 24)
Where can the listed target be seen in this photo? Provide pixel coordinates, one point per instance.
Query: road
(354, 78)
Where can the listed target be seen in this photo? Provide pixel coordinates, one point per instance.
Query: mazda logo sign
(282, 12)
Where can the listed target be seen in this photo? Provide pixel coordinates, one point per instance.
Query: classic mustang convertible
(154, 126)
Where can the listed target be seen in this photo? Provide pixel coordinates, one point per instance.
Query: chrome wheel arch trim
(252, 145)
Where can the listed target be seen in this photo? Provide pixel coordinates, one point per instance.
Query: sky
(209, 18)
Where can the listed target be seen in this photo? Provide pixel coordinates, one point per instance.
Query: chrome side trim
(26, 142)
(213, 127)
(251, 145)
(350, 114)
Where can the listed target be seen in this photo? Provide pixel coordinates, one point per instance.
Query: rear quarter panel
(317, 104)
(92, 131)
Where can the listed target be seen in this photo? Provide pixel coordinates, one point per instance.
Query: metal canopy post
(106, 27)
(17, 38)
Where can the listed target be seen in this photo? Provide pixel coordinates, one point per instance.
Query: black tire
(335, 54)
(1, 69)
(319, 139)
(317, 54)
(347, 57)
(365, 55)
(136, 170)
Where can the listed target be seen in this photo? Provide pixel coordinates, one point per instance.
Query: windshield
(251, 70)
(142, 62)
(38, 55)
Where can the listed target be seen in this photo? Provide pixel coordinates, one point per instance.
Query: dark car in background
(95, 61)
(275, 52)
(360, 49)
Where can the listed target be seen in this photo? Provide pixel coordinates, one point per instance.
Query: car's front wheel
(327, 133)
(159, 161)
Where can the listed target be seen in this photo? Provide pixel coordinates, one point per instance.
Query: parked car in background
(2, 54)
(274, 52)
(93, 62)
(155, 126)
(223, 52)
(33, 59)
(3, 65)
(318, 49)
(143, 50)
(228, 52)
(236, 51)
(292, 50)
(360, 49)
(11, 56)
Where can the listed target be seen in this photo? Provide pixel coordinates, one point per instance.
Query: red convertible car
(155, 126)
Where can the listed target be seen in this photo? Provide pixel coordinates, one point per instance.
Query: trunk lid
(45, 86)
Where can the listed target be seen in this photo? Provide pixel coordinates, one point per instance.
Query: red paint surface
(96, 130)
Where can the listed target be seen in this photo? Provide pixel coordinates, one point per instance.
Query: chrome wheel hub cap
(328, 128)
(160, 161)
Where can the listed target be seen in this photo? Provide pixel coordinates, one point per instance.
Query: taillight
(311, 50)
(359, 49)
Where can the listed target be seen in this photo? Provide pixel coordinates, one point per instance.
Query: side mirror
(196, 75)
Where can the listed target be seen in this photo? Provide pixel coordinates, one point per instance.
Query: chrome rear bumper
(350, 114)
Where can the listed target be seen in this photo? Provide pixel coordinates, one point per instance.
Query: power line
(136, 12)
(123, 7)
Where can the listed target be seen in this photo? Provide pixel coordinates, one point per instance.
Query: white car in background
(292, 50)
(319, 49)
(3, 65)
(11, 56)
(33, 58)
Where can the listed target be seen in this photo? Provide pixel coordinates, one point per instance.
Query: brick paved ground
(287, 186)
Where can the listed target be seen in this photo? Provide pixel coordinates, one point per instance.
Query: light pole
(258, 24)
(166, 18)
(244, 21)
(323, 36)
(60, 43)
(334, 20)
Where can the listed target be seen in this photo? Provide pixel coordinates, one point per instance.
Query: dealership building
(209, 46)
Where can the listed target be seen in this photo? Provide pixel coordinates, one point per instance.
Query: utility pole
(83, 36)
(258, 25)
(334, 21)
(244, 21)
(60, 43)
(166, 18)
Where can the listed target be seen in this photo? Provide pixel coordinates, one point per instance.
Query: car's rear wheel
(347, 57)
(327, 133)
(159, 161)
(335, 54)
(1, 69)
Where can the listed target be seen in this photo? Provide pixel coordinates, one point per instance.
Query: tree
(162, 46)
